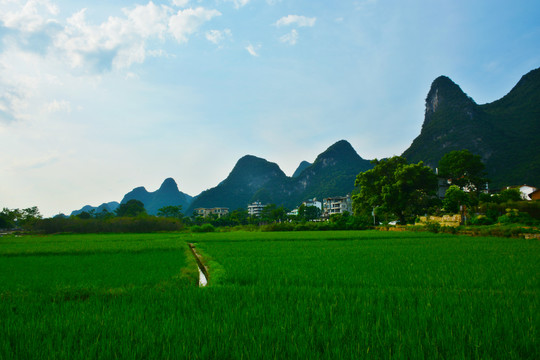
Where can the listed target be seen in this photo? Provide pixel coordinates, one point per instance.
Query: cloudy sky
(98, 97)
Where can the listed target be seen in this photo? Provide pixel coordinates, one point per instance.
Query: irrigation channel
(203, 270)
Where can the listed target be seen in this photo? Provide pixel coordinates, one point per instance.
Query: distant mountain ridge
(504, 133)
(167, 195)
(332, 174)
(110, 207)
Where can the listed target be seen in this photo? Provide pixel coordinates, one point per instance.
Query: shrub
(434, 227)
(481, 220)
(204, 228)
(514, 216)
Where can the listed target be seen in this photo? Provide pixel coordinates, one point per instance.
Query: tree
(272, 213)
(507, 195)
(309, 213)
(464, 169)
(171, 212)
(16, 217)
(396, 188)
(454, 198)
(84, 215)
(239, 217)
(131, 208)
(7, 218)
(104, 214)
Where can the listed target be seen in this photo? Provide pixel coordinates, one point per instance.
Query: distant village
(341, 204)
(329, 206)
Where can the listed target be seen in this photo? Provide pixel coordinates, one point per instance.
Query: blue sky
(99, 97)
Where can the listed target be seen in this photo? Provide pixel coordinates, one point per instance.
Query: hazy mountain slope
(303, 165)
(332, 174)
(249, 176)
(167, 194)
(110, 207)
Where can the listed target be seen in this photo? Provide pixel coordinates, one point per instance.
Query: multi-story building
(337, 205)
(313, 202)
(219, 211)
(255, 209)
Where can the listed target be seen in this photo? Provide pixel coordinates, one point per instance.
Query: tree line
(397, 190)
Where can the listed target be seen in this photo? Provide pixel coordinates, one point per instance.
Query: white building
(219, 211)
(255, 209)
(337, 205)
(313, 202)
(293, 212)
(525, 190)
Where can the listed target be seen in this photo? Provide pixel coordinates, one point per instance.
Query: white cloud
(122, 41)
(298, 20)
(217, 36)
(147, 20)
(117, 42)
(156, 53)
(253, 49)
(8, 100)
(187, 21)
(180, 3)
(26, 74)
(238, 3)
(57, 106)
(363, 4)
(32, 16)
(290, 38)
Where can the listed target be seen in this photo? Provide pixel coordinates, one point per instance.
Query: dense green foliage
(395, 188)
(137, 224)
(464, 169)
(454, 198)
(317, 295)
(17, 218)
(171, 211)
(131, 208)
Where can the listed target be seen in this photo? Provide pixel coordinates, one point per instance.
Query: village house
(337, 205)
(218, 211)
(255, 209)
(313, 202)
(309, 202)
(525, 190)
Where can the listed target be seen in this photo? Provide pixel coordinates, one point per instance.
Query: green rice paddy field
(308, 295)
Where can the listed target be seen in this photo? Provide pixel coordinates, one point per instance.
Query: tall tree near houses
(464, 169)
(395, 188)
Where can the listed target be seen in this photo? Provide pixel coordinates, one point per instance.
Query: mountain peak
(503, 132)
(168, 185)
(341, 150)
(303, 165)
(249, 159)
(444, 91)
(254, 165)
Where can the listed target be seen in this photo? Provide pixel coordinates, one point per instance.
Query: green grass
(320, 295)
